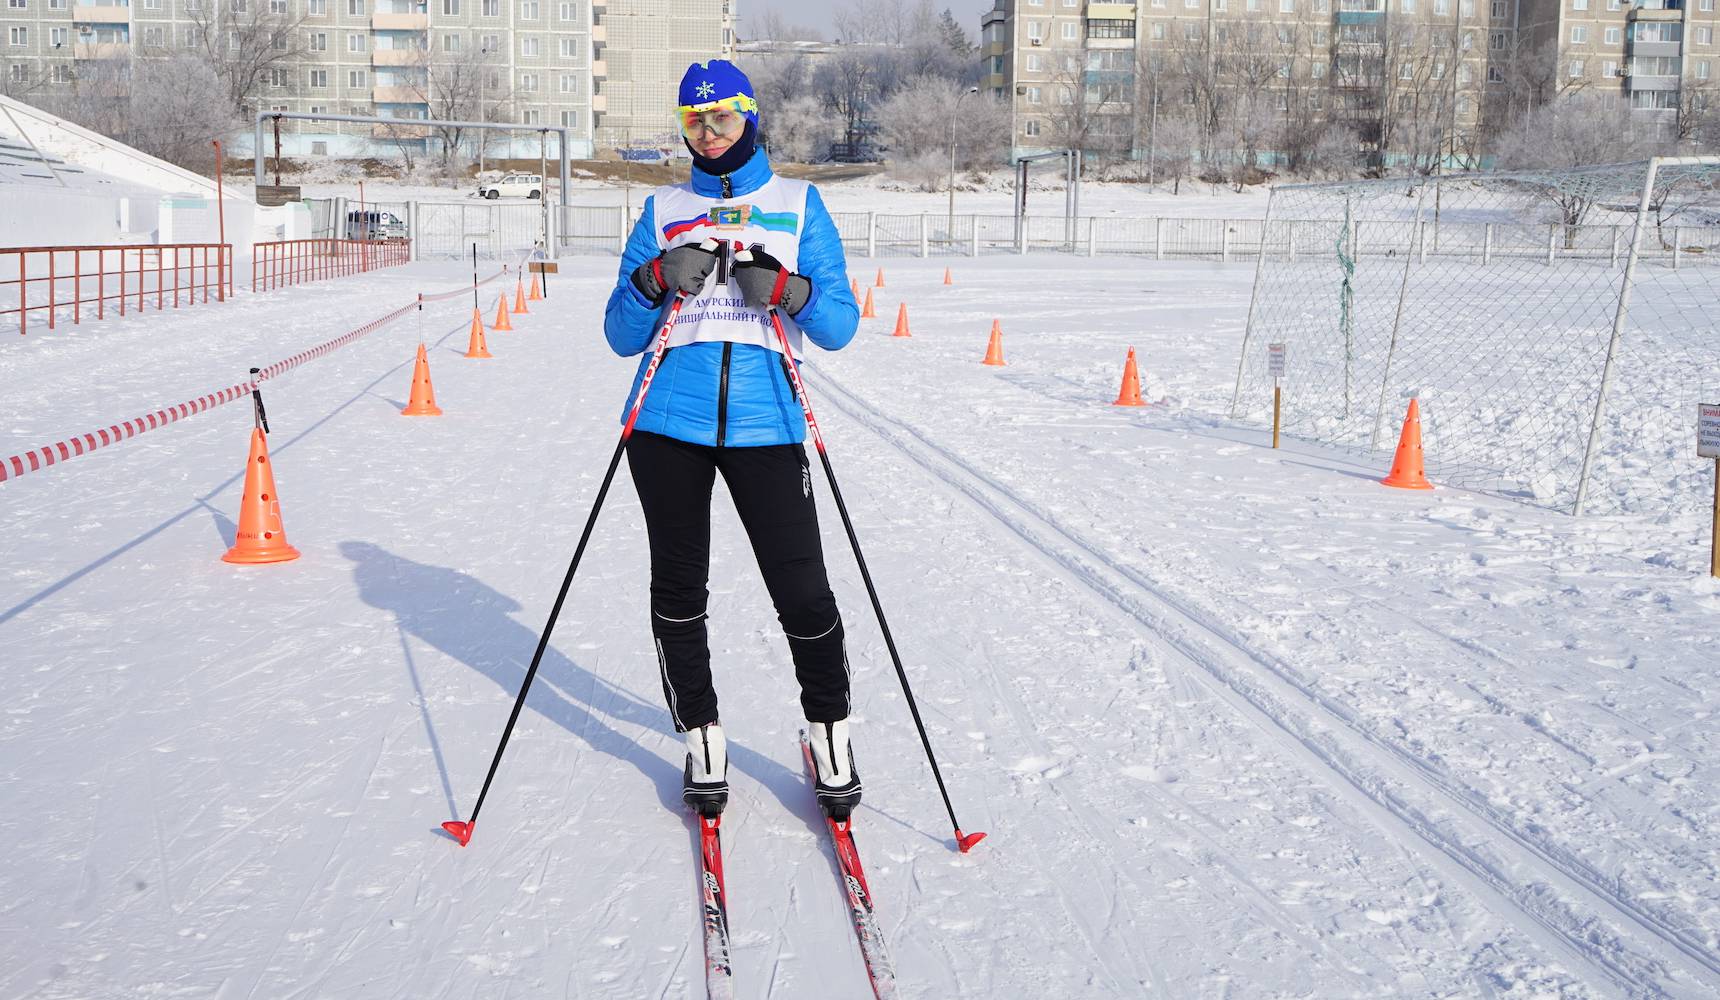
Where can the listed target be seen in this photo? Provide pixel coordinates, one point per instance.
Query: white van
(513, 186)
(372, 224)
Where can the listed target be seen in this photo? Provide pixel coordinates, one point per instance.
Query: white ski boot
(838, 782)
(705, 785)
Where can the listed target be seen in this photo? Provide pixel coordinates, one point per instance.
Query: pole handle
(258, 414)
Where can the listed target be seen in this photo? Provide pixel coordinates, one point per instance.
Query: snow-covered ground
(1240, 722)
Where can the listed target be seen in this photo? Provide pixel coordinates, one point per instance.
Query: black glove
(685, 268)
(765, 282)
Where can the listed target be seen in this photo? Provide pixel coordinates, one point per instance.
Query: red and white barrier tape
(60, 451)
(439, 296)
(40, 458)
(280, 368)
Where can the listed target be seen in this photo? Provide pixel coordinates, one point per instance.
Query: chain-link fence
(1558, 327)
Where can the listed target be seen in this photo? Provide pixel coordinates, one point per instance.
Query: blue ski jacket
(729, 394)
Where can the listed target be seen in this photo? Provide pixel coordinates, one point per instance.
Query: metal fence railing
(294, 262)
(82, 279)
(604, 229)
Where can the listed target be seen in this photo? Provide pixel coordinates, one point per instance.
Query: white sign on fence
(1275, 360)
(1708, 430)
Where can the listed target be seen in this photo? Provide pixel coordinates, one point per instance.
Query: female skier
(721, 403)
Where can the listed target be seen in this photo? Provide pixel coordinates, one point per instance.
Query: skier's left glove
(765, 282)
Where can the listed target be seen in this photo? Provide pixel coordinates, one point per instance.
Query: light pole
(483, 133)
(950, 222)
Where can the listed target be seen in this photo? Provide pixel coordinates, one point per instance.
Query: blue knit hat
(714, 81)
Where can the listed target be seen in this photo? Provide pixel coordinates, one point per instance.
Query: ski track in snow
(1354, 767)
(226, 783)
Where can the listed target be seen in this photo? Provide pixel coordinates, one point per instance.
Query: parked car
(374, 224)
(513, 186)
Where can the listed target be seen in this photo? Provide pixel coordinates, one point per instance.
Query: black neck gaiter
(733, 159)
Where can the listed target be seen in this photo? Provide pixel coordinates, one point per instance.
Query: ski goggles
(725, 118)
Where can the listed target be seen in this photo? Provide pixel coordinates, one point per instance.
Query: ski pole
(964, 842)
(462, 832)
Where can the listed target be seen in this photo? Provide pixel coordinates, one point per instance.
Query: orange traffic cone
(866, 311)
(947, 279)
(880, 283)
(854, 287)
(475, 345)
(261, 538)
(537, 290)
(901, 321)
(1130, 393)
(1407, 473)
(502, 322)
(520, 298)
(994, 349)
(423, 401)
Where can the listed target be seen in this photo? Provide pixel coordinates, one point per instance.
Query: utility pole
(1153, 133)
(277, 150)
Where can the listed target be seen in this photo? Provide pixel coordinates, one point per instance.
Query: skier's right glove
(683, 268)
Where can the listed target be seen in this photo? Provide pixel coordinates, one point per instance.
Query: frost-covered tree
(799, 130)
(919, 122)
(171, 114)
(1175, 143)
(1582, 128)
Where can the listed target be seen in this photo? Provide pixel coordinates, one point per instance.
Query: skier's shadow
(469, 621)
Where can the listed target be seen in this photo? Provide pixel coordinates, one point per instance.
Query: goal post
(1558, 326)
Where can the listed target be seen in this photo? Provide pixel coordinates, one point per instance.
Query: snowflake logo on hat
(705, 89)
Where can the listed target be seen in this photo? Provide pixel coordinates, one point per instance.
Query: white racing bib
(770, 219)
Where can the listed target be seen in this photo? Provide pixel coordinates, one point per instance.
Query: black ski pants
(772, 491)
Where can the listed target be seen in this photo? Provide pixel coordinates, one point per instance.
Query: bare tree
(779, 74)
(1698, 123)
(1526, 76)
(1300, 95)
(1248, 61)
(19, 81)
(1206, 97)
(468, 84)
(243, 41)
(847, 84)
(887, 22)
(1091, 109)
(769, 26)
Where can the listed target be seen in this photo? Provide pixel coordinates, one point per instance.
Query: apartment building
(1661, 55)
(529, 62)
(1400, 73)
(646, 46)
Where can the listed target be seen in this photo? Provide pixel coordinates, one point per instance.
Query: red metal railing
(70, 447)
(292, 262)
(50, 279)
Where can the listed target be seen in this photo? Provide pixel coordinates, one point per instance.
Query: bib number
(726, 257)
